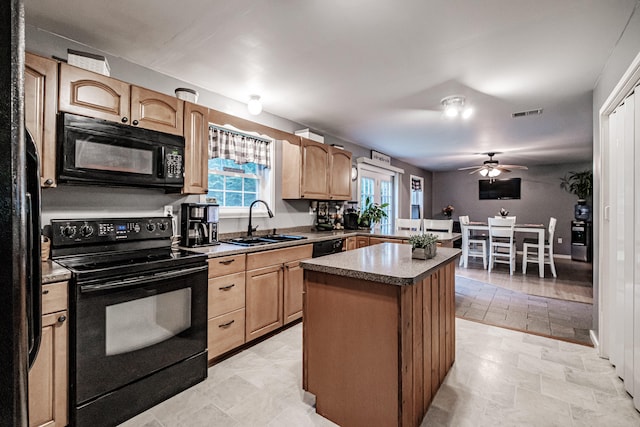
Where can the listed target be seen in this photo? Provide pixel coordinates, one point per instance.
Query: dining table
(538, 229)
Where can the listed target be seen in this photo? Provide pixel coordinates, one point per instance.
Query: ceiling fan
(492, 168)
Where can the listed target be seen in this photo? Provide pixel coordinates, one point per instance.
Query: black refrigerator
(19, 227)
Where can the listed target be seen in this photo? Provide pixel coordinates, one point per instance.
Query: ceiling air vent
(536, 112)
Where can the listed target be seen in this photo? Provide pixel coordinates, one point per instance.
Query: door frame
(629, 80)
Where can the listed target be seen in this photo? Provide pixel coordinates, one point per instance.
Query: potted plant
(372, 214)
(580, 184)
(448, 211)
(423, 246)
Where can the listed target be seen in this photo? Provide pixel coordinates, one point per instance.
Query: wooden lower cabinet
(378, 240)
(362, 241)
(48, 378)
(274, 283)
(350, 243)
(264, 300)
(293, 280)
(226, 304)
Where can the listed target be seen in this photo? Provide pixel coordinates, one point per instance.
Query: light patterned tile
(542, 367)
(573, 394)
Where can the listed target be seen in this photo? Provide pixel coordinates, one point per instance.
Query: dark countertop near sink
(224, 249)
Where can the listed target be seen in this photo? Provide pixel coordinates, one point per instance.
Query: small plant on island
(423, 240)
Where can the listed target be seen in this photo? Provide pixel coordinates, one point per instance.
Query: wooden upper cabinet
(311, 170)
(40, 100)
(196, 138)
(340, 177)
(91, 94)
(316, 162)
(156, 111)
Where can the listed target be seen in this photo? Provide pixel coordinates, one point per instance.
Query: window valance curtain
(238, 147)
(416, 185)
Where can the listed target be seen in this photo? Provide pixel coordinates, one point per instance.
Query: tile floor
(574, 281)
(500, 377)
(504, 307)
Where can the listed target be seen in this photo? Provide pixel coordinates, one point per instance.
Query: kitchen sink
(263, 240)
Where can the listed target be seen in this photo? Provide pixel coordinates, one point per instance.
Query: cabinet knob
(49, 181)
(62, 318)
(135, 123)
(45, 291)
(125, 120)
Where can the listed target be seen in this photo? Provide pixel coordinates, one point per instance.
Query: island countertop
(388, 263)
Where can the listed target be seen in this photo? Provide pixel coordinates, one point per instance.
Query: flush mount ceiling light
(254, 106)
(454, 106)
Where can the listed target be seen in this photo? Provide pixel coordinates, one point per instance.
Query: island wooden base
(375, 354)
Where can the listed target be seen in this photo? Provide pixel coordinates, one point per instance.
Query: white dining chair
(533, 245)
(472, 246)
(407, 224)
(502, 245)
(445, 225)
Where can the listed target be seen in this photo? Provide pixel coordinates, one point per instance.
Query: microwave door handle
(161, 163)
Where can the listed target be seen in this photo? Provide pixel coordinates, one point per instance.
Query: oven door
(127, 329)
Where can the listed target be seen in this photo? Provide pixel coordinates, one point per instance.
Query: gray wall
(84, 201)
(627, 49)
(541, 198)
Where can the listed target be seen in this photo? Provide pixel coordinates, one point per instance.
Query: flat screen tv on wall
(499, 189)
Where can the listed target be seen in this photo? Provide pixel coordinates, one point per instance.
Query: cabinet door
(40, 100)
(156, 111)
(315, 170)
(351, 243)
(362, 241)
(48, 375)
(196, 138)
(263, 301)
(340, 179)
(291, 169)
(293, 280)
(91, 94)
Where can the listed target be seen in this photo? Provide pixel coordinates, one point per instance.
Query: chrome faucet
(250, 230)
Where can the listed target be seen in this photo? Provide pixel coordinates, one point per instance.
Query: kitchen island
(378, 333)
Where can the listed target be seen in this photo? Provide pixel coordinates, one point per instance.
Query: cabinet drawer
(225, 333)
(226, 294)
(278, 256)
(54, 297)
(226, 265)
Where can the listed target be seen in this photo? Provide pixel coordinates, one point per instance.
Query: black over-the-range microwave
(95, 151)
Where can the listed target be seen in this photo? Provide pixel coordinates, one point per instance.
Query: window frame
(266, 190)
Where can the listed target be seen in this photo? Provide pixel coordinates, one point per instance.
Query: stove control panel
(81, 231)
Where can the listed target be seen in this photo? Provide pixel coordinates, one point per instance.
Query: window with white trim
(239, 171)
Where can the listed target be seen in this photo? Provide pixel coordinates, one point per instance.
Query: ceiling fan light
(254, 106)
(467, 112)
(494, 172)
(484, 172)
(451, 111)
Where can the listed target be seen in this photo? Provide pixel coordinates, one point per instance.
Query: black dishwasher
(326, 247)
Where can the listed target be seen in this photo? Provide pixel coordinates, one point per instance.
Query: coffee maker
(199, 224)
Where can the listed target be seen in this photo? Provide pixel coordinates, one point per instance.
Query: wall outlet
(168, 210)
(559, 239)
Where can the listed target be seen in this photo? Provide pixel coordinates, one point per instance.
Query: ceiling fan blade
(515, 167)
(478, 169)
(503, 169)
(469, 167)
